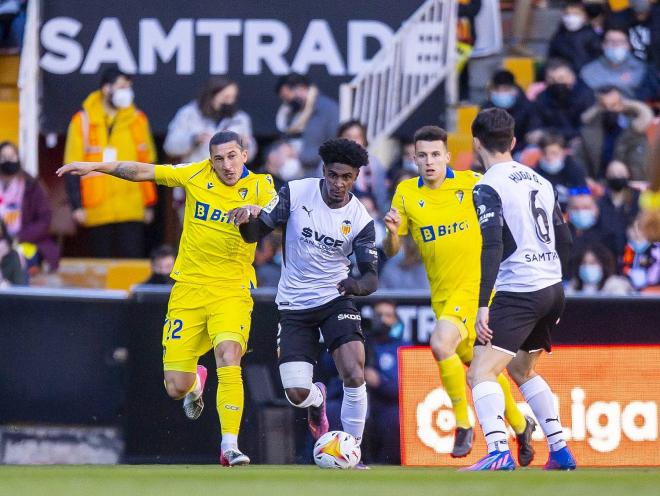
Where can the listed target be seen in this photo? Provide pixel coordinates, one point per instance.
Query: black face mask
(160, 279)
(227, 110)
(610, 120)
(296, 105)
(617, 183)
(559, 92)
(9, 168)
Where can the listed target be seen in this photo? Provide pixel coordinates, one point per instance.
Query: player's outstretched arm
(131, 171)
(392, 242)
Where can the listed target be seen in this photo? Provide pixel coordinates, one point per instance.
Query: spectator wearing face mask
(575, 40)
(564, 100)
(188, 134)
(384, 336)
(306, 117)
(406, 160)
(596, 276)
(584, 222)
(614, 129)
(642, 20)
(107, 129)
(282, 163)
(641, 261)
(26, 211)
(216, 109)
(504, 93)
(12, 272)
(162, 263)
(619, 68)
(563, 172)
(371, 180)
(618, 207)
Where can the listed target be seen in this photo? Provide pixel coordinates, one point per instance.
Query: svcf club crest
(243, 193)
(459, 196)
(346, 227)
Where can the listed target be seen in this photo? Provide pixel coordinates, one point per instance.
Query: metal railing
(29, 88)
(405, 72)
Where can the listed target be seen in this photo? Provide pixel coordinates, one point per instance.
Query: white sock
(195, 393)
(229, 441)
(488, 401)
(540, 399)
(354, 410)
(314, 398)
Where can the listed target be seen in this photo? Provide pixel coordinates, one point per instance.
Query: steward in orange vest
(109, 128)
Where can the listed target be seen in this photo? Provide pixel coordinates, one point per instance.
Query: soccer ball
(337, 449)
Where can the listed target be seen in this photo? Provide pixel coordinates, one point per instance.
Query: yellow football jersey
(211, 251)
(444, 225)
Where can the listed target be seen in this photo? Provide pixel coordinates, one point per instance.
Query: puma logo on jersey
(308, 210)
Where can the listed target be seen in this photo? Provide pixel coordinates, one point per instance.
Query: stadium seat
(102, 273)
(9, 121)
(125, 273)
(9, 65)
(9, 97)
(460, 147)
(522, 69)
(465, 114)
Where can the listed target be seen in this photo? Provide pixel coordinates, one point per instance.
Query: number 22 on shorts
(173, 328)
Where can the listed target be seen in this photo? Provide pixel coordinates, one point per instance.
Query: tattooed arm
(131, 171)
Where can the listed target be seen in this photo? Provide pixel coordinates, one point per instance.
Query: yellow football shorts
(199, 318)
(460, 308)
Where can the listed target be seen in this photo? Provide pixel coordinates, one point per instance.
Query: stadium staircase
(423, 54)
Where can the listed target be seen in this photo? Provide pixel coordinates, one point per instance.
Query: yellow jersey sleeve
(265, 190)
(398, 202)
(177, 175)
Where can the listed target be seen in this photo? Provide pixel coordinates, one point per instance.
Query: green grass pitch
(180, 480)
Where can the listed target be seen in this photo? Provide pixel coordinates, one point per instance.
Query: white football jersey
(318, 241)
(522, 203)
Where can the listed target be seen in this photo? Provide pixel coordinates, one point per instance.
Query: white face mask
(573, 22)
(551, 166)
(291, 169)
(123, 97)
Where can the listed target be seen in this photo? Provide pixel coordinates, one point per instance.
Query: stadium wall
(72, 359)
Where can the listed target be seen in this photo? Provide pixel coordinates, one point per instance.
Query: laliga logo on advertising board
(601, 424)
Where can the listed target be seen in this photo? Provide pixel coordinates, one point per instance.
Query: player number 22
(173, 328)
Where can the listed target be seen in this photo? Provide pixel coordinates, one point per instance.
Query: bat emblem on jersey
(308, 210)
(346, 227)
(459, 195)
(243, 193)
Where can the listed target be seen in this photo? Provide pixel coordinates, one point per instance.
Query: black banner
(172, 47)
(98, 361)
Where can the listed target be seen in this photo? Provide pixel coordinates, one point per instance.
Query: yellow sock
(513, 415)
(452, 374)
(230, 398)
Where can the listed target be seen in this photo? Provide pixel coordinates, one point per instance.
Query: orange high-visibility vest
(91, 185)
